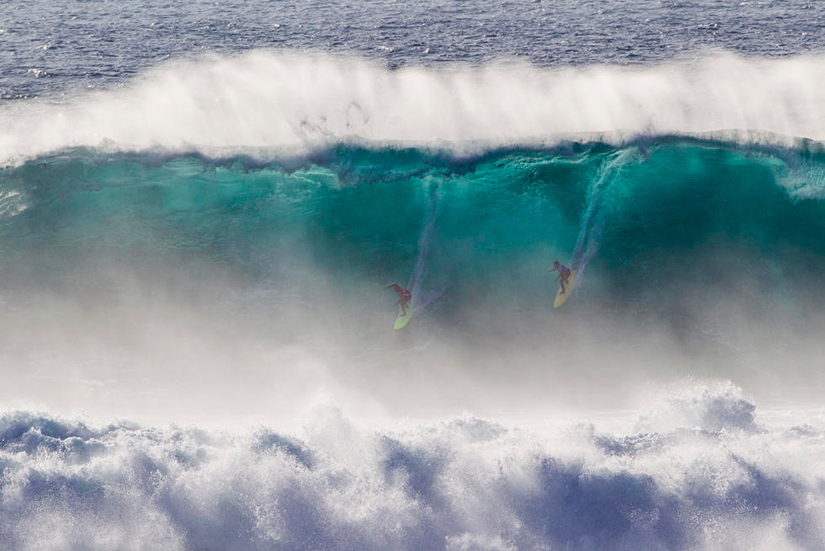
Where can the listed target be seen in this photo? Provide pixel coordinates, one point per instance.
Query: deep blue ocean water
(53, 46)
(201, 206)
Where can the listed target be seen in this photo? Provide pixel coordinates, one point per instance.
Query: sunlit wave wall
(152, 270)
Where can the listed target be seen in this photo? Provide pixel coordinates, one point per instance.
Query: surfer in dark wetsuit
(404, 297)
(564, 273)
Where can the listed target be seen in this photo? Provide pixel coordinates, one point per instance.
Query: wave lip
(293, 102)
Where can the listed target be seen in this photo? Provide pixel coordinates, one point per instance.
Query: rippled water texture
(47, 47)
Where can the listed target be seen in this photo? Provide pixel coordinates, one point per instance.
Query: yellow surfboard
(561, 297)
(402, 319)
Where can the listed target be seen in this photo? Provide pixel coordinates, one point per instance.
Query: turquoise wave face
(655, 227)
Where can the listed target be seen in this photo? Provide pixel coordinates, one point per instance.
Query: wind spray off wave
(264, 103)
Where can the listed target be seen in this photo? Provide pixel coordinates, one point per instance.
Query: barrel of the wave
(404, 300)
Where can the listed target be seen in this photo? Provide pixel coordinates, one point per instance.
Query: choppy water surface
(50, 47)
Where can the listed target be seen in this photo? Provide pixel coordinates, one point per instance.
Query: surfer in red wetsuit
(404, 297)
(564, 273)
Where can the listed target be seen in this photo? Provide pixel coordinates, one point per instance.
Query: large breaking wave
(211, 245)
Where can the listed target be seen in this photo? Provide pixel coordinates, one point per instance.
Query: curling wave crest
(288, 101)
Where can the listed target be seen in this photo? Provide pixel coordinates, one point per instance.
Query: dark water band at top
(52, 47)
(649, 225)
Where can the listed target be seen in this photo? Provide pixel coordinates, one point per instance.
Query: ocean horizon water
(202, 205)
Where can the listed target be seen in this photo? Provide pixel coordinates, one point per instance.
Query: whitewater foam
(266, 102)
(465, 483)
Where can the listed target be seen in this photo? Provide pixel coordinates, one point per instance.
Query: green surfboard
(561, 297)
(403, 319)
